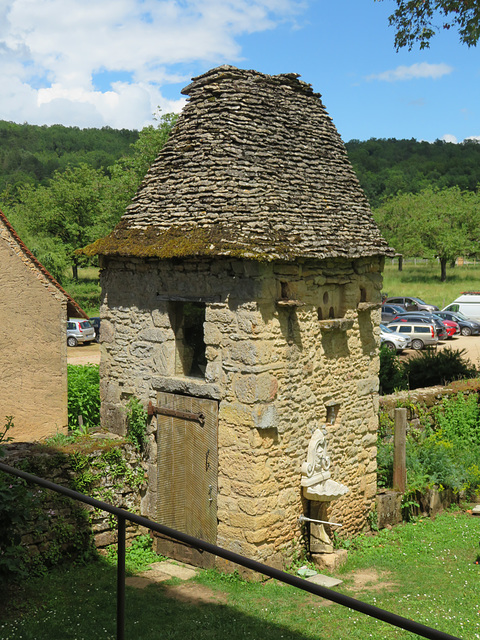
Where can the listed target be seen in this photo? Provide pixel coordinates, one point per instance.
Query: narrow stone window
(189, 318)
(363, 294)
(332, 413)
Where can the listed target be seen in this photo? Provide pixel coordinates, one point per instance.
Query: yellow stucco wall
(33, 353)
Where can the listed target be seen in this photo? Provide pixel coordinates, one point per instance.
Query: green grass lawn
(423, 570)
(423, 281)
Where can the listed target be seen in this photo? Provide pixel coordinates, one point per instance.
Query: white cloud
(414, 71)
(448, 137)
(50, 51)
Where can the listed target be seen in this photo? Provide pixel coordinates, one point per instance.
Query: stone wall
(289, 347)
(59, 526)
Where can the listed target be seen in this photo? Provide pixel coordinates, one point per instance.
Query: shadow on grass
(80, 602)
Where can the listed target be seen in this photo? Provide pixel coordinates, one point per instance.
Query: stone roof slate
(254, 168)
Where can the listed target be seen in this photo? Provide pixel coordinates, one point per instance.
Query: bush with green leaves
(444, 453)
(430, 368)
(427, 368)
(136, 423)
(83, 397)
(391, 375)
(15, 507)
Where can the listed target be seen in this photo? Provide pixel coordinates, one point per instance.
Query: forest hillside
(30, 154)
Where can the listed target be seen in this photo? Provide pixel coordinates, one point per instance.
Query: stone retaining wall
(59, 526)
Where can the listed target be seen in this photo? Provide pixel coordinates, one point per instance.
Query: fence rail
(282, 576)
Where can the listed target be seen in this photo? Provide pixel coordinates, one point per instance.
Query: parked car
(420, 334)
(468, 304)
(79, 331)
(411, 304)
(427, 318)
(95, 322)
(467, 326)
(393, 340)
(390, 311)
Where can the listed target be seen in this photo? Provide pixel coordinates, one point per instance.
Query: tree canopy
(386, 167)
(81, 203)
(417, 21)
(435, 223)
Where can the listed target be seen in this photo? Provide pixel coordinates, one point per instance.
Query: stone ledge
(187, 386)
(336, 324)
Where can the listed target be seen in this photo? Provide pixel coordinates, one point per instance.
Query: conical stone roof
(254, 168)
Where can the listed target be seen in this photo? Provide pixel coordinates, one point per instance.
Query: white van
(468, 303)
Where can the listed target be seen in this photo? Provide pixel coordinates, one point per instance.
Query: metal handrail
(282, 576)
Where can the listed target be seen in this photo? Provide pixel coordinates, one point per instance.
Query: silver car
(420, 334)
(79, 331)
(393, 340)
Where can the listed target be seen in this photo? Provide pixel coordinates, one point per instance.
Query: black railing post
(121, 578)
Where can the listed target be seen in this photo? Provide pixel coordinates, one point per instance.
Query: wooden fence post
(399, 451)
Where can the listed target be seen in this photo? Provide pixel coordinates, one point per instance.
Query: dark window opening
(320, 313)
(189, 335)
(363, 294)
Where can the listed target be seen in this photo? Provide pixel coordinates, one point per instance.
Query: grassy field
(86, 290)
(423, 281)
(425, 570)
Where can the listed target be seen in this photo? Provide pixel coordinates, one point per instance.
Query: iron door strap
(175, 413)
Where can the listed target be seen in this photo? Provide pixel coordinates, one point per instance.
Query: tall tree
(441, 224)
(417, 21)
(67, 214)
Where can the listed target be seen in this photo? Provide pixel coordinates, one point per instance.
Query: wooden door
(187, 474)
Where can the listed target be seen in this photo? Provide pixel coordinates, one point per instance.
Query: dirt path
(84, 354)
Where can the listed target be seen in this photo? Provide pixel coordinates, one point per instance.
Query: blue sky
(94, 63)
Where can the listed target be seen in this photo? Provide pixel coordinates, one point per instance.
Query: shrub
(83, 396)
(391, 375)
(430, 368)
(446, 452)
(136, 423)
(15, 507)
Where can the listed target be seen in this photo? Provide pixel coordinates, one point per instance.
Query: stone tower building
(241, 296)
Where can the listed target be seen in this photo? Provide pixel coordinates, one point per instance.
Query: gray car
(410, 303)
(79, 331)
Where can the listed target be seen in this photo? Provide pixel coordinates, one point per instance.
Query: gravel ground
(88, 353)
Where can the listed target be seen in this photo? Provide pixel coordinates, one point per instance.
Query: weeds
(136, 423)
(83, 397)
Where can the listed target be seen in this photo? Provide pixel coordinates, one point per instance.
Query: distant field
(422, 280)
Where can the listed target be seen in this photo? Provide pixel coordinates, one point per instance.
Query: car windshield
(419, 300)
(386, 329)
(85, 324)
(461, 315)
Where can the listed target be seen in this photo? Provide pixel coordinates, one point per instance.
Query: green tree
(417, 21)
(441, 223)
(65, 215)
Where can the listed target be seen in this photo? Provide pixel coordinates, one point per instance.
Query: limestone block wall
(289, 347)
(33, 351)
